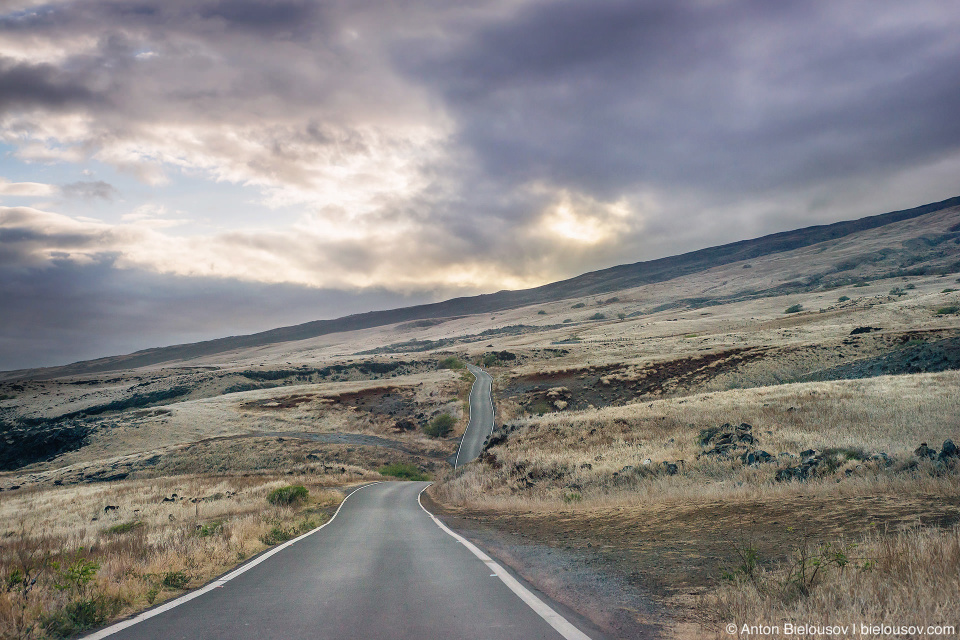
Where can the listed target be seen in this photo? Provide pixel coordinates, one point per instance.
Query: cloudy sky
(173, 170)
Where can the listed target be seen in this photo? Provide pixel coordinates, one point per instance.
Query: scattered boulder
(752, 458)
(949, 450)
(923, 451)
(670, 468)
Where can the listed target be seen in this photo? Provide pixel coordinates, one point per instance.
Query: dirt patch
(285, 402)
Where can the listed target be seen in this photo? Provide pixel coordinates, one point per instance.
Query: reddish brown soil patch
(390, 401)
(285, 402)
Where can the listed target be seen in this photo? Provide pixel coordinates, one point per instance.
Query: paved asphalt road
(382, 568)
(481, 417)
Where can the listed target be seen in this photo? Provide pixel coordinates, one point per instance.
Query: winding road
(382, 568)
(481, 417)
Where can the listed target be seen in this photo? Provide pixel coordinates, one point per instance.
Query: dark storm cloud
(65, 312)
(89, 190)
(24, 85)
(722, 97)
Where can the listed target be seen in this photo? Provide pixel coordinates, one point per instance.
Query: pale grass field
(890, 414)
(911, 578)
(190, 541)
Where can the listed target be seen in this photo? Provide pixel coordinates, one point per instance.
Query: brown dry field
(577, 497)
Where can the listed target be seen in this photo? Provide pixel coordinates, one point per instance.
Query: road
(382, 568)
(481, 417)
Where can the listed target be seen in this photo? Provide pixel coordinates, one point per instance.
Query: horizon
(186, 171)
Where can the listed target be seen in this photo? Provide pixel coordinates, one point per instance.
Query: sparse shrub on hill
(440, 426)
(843, 298)
(797, 308)
(403, 471)
(289, 495)
(598, 316)
(541, 312)
(946, 311)
(451, 362)
(579, 305)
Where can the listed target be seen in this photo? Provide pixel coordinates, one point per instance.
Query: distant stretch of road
(481, 417)
(383, 568)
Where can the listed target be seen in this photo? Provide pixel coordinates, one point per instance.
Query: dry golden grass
(911, 578)
(585, 453)
(145, 550)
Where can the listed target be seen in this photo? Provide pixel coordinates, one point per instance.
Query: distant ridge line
(591, 283)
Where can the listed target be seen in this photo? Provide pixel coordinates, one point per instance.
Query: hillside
(924, 252)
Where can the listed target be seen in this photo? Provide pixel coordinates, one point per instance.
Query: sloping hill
(593, 283)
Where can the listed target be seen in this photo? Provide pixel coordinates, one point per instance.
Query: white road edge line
(563, 626)
(216, 584)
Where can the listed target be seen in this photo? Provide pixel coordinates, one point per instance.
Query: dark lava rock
(923, 451)
(756, 457)
(949, 450)
(860, 330)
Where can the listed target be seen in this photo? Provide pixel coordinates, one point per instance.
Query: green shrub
(123, 527)
(946, 311)
(566, 320)
(748, 266)
(949, 290)
(80, 615)
(911, 286)
(289, 495)
(897, 291)
(843, 298)
(279, 533)
(452, 362)
(622, 315)
(209, 529)
(579, 305)
(598, 316)
(403, 471)
(175, 580)
(440, 426)
(541, 312)
(797, 308)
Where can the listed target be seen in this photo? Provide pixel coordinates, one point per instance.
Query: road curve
(481, 417)
(381, 569)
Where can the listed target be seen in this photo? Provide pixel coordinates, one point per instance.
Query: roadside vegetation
(73, 558)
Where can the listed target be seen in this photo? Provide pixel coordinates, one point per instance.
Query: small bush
(897, 291)
(279, 533)
(289, 495)
(843, 298)
(123, 527)
(911, 286)
(748, 266)
(946, 311)
(797, 308)
(598, 316)
(541, 312)
(175, 580)
(440, 426)
(622, 315)
(565, 320)
(452, 362)
(404, 472)
(209, 529)
(949, 290)
(579, 305)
